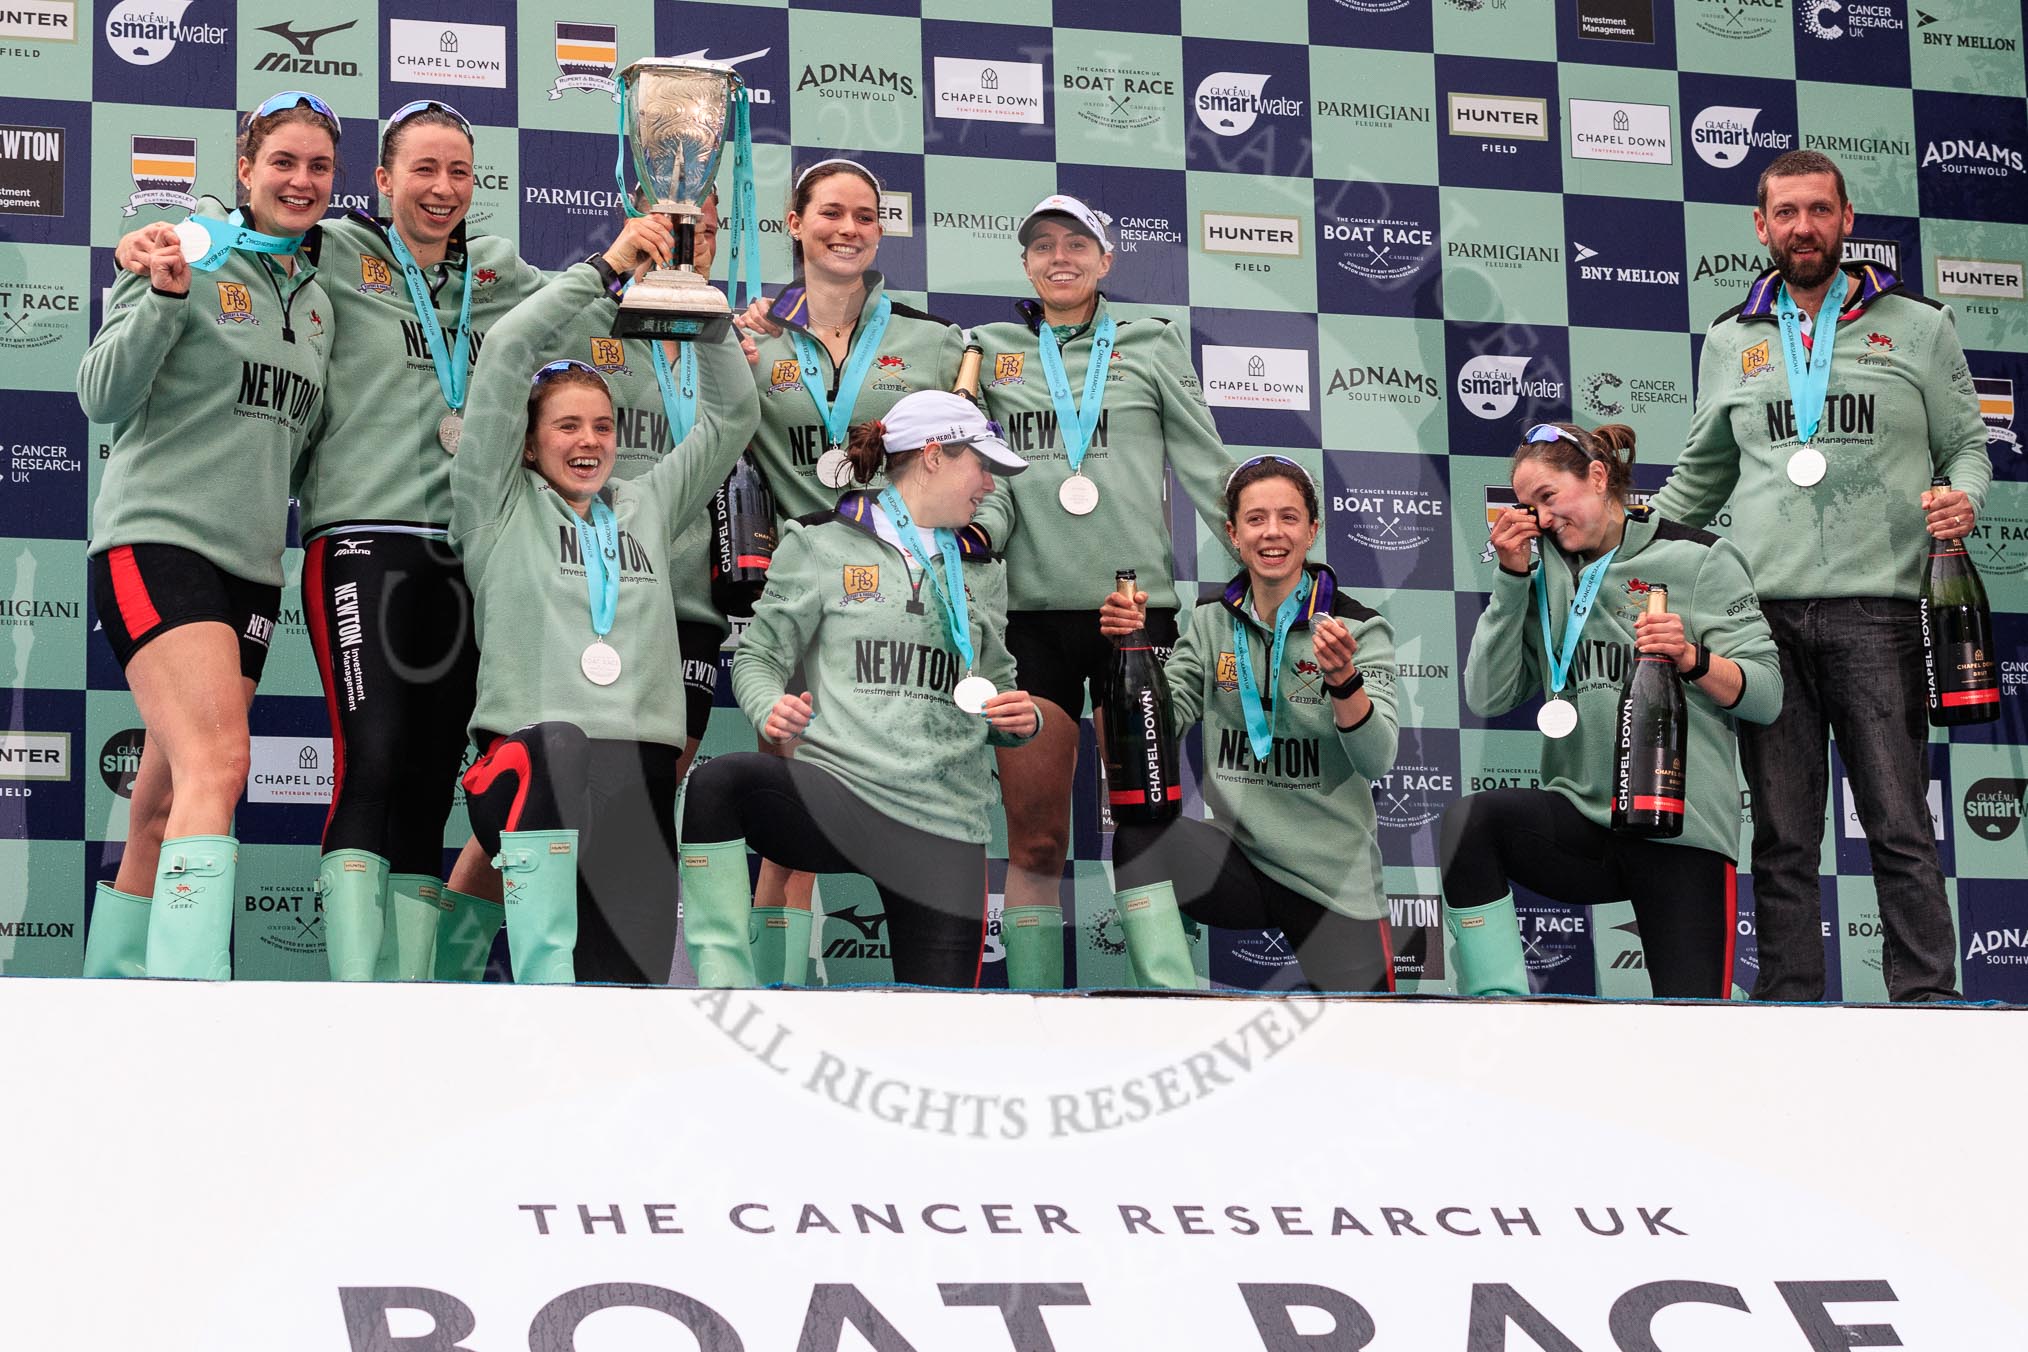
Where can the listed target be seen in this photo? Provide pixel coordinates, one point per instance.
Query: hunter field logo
(145, 32)
(1228, 103)
(1985, 278)
(609, 357)
(1510, 117)
(1272, 236)
(164, 170)
(1490, 386)
(39, 20)
(1722, 135)
(35, 755)
(235, 304)
(587, 54)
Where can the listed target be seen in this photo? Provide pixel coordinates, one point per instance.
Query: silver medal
(193, 239)
(600, 663)
(834, 468)
(1806, 467)
(972, 694)
(1078, 494)
(1558, 718)
(450, 430)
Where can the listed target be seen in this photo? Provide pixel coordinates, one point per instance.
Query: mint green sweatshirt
(1154, 417)
(1304, 815)
(519, 539)
(880, 678)
(1710, 588)
(1900, 409)
(917, 352)
(211, 395)
(376, 458)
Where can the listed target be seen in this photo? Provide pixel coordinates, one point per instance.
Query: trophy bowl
(675, 132)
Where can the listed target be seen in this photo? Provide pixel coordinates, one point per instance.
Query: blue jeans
(1852, 666)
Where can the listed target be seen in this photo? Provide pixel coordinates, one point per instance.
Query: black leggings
(1684, 898)
(620, 797)
(1216, 884)
(804, 818)
(390, 618)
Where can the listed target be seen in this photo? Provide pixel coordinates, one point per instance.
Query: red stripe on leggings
(1387, 952)
(320, 644)
(1731, 927)
(130, 593)
(501, 758)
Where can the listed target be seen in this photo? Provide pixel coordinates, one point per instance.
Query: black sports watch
(1703, 665)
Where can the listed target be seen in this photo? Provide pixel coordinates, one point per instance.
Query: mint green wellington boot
(352, 889)
(408, 946)
(781, 946)
(465, 934)
(717, 912)
(1489, 956)
(117, 942)
(190, 919)
(1158, 952)
(1033, 938)
(538, 881)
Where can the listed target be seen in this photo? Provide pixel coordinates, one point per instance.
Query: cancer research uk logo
(1490, 386)
(420, 52)
(1829, 20)
(145, 32)
(1722, 135)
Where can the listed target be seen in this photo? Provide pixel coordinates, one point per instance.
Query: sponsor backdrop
(1396, 231)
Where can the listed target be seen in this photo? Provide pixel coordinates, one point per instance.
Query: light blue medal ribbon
(234, 233)
(679, 402)
(598, 541)
(1076, 422)
(950, 592)
(1260, 725)
(454, 369)
(1810, 373)
(1588, 584)
(865, 347)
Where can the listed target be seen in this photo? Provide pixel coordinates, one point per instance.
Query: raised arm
(1709, 467)
(728, 410)
(1190, 437)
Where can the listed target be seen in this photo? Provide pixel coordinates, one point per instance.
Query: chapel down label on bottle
(1653, 735)
(742, 538)
(1961, 679)
(1141, 765)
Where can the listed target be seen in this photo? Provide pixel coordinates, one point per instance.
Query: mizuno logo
(305, 42)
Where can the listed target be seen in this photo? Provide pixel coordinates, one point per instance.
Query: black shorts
(700, 644)
(1057, 653)
(144, 591)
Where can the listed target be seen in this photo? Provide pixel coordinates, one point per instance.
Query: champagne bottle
(967, 382)
(1654, 731)
(742, 538)
(1960, 676)
(1141, 765)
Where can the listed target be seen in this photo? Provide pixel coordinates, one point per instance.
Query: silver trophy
(675, 124)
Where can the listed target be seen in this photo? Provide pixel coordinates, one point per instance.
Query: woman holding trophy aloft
(1572, 624)
(830, 351)
(1109, 404)
(189, 604)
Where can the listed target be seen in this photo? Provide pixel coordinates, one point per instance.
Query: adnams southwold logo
(144, 32)
(1257, 377)
(39, 20)
(1228, 102)
(850, 80)
(421, 52)
(1723, 134)
(1490, 386)
(989, 91)
(1985, 159)
(294, 51)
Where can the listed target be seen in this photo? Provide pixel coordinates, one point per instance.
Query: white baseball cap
(1082, 216)
(949, 420)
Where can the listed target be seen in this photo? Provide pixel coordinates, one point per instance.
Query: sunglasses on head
(557, 368)
(1550, 432)
(1248, 464)
(295, 98)
(409, 110)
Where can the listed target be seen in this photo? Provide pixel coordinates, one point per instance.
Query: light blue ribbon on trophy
(745, 285)
(222, 237)
(454, 369)
(679, 402)
(1260, 721)
(1077, 423)
(1809, 374)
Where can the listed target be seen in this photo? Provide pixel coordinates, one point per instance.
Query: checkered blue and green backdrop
(1351, 205)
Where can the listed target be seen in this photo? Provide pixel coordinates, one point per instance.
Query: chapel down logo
(587, 54)
(165, 170)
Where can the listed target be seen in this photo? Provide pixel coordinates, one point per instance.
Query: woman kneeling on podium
(908, 686)
(580, 711)
(1293, 680)
(1570, 625)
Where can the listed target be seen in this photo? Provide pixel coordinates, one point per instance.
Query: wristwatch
(1351, 685)
(613, 282)
(1702, 668)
